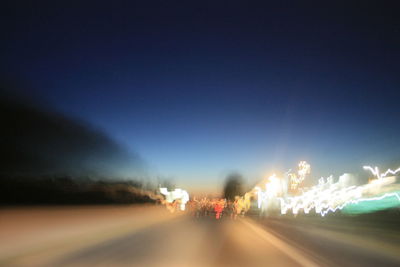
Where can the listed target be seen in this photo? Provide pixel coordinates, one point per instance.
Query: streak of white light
(177, 194)
(333, 198)
(356, 201)
(375, 171)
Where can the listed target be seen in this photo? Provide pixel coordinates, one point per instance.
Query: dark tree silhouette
(234, 186)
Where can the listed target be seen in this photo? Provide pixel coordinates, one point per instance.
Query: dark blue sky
(201, 89)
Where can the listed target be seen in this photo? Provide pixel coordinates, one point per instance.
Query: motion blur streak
(336, 197)
(327, 196)
(375, 171)
(296, 180)
(386, 201)
(40, 235)
(151, 236)
(357, 201)
(284, 247)
(178, 196)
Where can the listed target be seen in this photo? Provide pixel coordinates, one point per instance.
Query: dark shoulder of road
(341, 240)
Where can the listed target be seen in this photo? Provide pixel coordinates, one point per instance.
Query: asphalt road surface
(149, 236)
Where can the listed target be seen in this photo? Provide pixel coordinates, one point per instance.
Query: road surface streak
(340, 242)
(191, 242)
(150, 236)
(35, 235)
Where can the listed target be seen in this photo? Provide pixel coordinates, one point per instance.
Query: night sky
(202, 89)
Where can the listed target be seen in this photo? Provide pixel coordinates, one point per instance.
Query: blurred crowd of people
(218, 207)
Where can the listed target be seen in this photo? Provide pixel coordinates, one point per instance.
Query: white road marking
(289, 250)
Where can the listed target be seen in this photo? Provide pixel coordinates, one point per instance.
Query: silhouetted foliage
(167, 183)
(37, 141)
(234, 186)
(65, 190)
(47, 158)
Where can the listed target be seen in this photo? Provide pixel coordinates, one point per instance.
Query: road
(137, 236)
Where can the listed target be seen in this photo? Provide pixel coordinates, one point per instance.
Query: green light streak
(372, 205)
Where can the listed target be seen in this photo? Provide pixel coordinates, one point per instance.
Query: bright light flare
(329, 197)
(177, 195)
(375, 171)
(303, 170)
